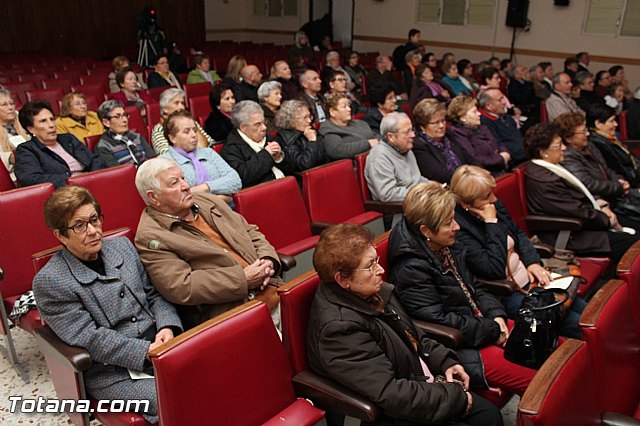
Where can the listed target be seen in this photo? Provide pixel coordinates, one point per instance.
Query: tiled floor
(40, 385)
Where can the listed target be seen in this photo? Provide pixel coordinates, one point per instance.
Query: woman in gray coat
(96, 295)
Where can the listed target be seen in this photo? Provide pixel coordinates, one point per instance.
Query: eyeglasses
(405, 132)
(581, 132)
(342, 79)
(371, 267)
(258, 124)
(304, 117)
(119, 116)
(81, 227)
(556, 146)
(437, 122)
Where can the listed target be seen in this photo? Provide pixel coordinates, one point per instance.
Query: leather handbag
(534, 336)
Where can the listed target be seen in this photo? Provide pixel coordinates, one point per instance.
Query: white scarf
(569, 177)
(257, 147)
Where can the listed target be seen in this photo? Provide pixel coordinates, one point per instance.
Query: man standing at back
(399, 53)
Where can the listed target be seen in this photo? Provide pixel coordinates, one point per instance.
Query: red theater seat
(237, 371)
(286, 224)
(115, 190)
(369, 204)
(629, 271)
(6, 183)
(332, 195)
(64, 84)
(53, 96)
(136, 122)
(199, 106)
(197, 89)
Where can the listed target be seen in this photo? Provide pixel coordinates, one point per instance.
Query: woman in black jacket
(302, 145)
(222, 101)
(496, 248)
(360, 336)
(434, 284)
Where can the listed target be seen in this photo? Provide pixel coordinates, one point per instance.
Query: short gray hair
(582, 76)
(5, 92)
(147, 175)
(332, 54)
(556, 78)
(389, 123)
(242, 110)
(168, 95)
(485, 97)
(266, 88)
(106, 108)
(288, 112)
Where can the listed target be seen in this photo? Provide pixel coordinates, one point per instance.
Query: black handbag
(534, 336)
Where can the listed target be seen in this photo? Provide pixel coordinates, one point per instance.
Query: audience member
(202, 73)
(355, 71)
(633, 116)
(490, 79)
(522, 94)
(163, 76)
(247, 89)
(361, 336)
(603, 83)
(465, 71)
(421, 257)
(503, 127)
(588, 96)
(118, 63)
(474, 137)
(303, 48)
(383, 101)
(95, 294)
(270, 96)
(452, 79)
(547, 71)
(400, 52)
(344, 137)
(583, 61)
(618, 76)
(48, 156)
(222, 101)
(11, 132)
(172, 100)
(300, 142)
(424, 86)
(130, 93)
(616, 98)
(391, 169)
(382, 72)
(412, 61)
(542, 90)
(571, 67)
(437, 155)
(118, 145)
(281, 73)
(311, 88)
(75, 119)
(249, 151)
(199, 254)
(234, 67)
(332, 65)
(338, 84)
(202, 168)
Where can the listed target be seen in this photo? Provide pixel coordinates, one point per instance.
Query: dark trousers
(483, 413)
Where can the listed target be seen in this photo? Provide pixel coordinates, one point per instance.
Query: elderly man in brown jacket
(199, 254)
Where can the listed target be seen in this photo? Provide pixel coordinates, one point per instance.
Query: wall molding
(248, 30)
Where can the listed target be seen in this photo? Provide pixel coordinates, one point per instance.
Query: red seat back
(6, 183)
(20, 89)
(361, 162)
(136, 123)
(155, 92)
(199, 106)
(22, 233)
(36, 78)
(629, 271)
(622, 118)
(64, 84)
(236, 357)
(73, 76)
(544, 115)
(153, 114)
(295, 306)
(115, 190)
(53, 96)
(94, 89)
(331, 192)
(278, 210)
(92, 141)
(381, 245)
(197, 89)
(509, 192)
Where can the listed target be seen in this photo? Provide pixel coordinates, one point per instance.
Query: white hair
(147, 175)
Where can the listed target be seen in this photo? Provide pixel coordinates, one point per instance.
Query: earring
(546, 155)
(466, 209)
(428, 239)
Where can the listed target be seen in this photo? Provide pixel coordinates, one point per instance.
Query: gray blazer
(114, 317)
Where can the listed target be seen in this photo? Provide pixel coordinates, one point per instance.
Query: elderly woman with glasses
(301, 143)
(49, 156)
(172, 100)
(270, 97)
(163, 76)
(434, 284)
(250, 151)
(76, 119)
(437, 154)
(95, 294)
(118, 145)
(130, 93)
(360, 336)
(553, 190)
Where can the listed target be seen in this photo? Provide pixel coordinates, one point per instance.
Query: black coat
(245, 92)
(218, 125)
(506, 132)
(592, 170)
(486, 243)
(617, 159)
(431, 160)
(156, 80)
(481, 145)
(253, 167)
(301, 153)
(549, 194)
(352, 343)
(35, 163)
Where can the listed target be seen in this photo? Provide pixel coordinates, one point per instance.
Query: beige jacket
(189, 270)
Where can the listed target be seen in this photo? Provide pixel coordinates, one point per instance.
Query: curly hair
(340, 249)
(540, 136)
(568, 122)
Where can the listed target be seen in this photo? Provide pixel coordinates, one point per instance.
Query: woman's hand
(539, 274)
(625, 185)
(612, 218)
(486, 212)
(274, 149)
(506, 157)
(504, 331)
(162, 336)
(445, 94)
(311, 134)
(457, 373)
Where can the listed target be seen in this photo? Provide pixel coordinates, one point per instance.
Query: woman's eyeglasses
(81, 226)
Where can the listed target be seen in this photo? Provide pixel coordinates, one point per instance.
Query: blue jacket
(35, 163)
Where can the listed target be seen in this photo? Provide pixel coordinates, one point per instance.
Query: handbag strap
(558, 302)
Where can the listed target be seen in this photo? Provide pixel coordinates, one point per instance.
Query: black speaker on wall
(517, 11)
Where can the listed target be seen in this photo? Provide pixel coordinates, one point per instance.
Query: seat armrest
(330, 395)
(72, 357)
(632, 143)
(499, 287)
(545, 251)
(287, 262)
(382, 207)
(617, 419)
(553, 223)
(318, 227)
(448, 336)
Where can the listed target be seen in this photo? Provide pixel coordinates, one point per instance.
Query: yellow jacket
(69, 125)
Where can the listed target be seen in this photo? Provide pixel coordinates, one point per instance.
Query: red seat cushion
(591, 271)
(301, 412)
(299, 246)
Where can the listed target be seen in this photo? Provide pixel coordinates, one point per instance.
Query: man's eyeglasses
(119, 116)
(371, 267)
(405, 132)
(81, 227)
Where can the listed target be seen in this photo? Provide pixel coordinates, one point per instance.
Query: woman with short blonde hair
(75, 118)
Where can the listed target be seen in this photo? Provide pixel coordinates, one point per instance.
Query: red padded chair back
(544, 115)
(562, 392)
(614, 346)
(243, 375)
(331, 192)
(624, 134)
(361, 162)
(94, 89)
(295, 304)
(508, 191)
(43, 257)
(22, 233)
(278, 210)
(155, 92)
(6, 183)
(92, 141)
(218, 147)
(199, 106)
(64, 84)
(381, 244)
(20, 89)
(136, 122)
(115, 190)
(36, 78)
(153, 114)
(629, 271)
(53, 96)
(197, 89)
(73, 76)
